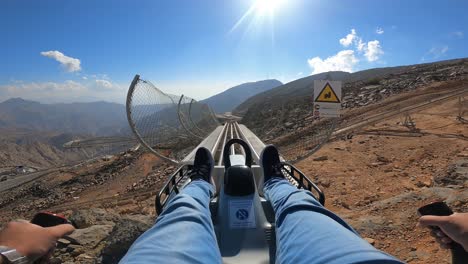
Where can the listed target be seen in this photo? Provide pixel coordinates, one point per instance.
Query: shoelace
(201, 171)
(277, 169)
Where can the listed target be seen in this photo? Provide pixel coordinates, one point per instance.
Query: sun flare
(267, 6)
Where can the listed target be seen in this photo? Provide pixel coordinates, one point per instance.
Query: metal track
(389, 114)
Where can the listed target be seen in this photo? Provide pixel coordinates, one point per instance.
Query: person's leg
(184, 232)
(306, 232)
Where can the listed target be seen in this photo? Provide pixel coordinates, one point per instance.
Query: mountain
(96, 119)
(232, 97)
(303, 87)
(272, 112)
(295, 88)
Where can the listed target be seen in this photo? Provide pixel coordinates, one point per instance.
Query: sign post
(327, 98)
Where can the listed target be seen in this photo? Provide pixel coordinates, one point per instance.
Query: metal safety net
(196, 118)
(165, 124)
(307, 141)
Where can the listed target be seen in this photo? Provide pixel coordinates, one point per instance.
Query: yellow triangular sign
(327, 95)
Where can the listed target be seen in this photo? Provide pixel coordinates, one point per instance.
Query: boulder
(125, 232)
(93, 216)
(91, 236)
(321, 158)
(456, 174)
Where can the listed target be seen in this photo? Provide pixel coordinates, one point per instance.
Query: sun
(260, 11)
(267, 6)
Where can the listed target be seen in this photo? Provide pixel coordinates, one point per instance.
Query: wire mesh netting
(166, 124)
(306, 142)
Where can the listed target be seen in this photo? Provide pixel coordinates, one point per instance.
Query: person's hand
(452, 228)
(32, 240)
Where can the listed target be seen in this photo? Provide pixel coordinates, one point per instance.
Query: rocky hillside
(98, 118)
(232, 97)
(111, 201)
(297, 88)
(276, 108)
(374, 178)
(40, 150)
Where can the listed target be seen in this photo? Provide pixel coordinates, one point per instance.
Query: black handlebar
(459, 255)
(248, 152)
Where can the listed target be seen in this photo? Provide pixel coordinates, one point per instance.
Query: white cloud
(435, 53)
(104, 83)
(347, 60)
(379, 31)
(349, 39)
(458, 34)
(438, 52)
(300, 73)
(373, 50)
(69, 63)
(360, 45)
(67, 91)
(344, 60)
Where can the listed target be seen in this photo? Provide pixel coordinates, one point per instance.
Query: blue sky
(85, 50)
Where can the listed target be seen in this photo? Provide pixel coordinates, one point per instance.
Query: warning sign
(241, 214)
(327, 95)
(327, 98)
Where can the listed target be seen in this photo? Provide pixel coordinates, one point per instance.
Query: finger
(60, 230)
(432, 220)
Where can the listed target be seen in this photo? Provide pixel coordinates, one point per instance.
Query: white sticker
(241, 214)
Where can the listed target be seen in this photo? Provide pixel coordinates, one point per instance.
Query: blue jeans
(306, 232)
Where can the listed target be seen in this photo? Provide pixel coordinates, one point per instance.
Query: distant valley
(94, 119)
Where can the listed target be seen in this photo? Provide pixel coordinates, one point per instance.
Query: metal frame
(300, 178)
(215, 119)
(132, 124)
(180, 115)
(330, 131)
(191, 120)
(179, 177)
(461, 110)
(172, 185)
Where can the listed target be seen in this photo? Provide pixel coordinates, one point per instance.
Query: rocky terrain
(115, 196)
(377, 180)
(375, 177)
(21, 147)
(276, 110)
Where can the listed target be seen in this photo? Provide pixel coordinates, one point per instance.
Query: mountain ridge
(304, 86)
(95, 118)
(227, 100)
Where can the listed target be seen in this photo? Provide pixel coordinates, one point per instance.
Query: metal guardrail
(171, 187)
(303, 181)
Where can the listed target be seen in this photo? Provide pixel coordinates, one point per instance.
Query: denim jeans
(306, 232)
